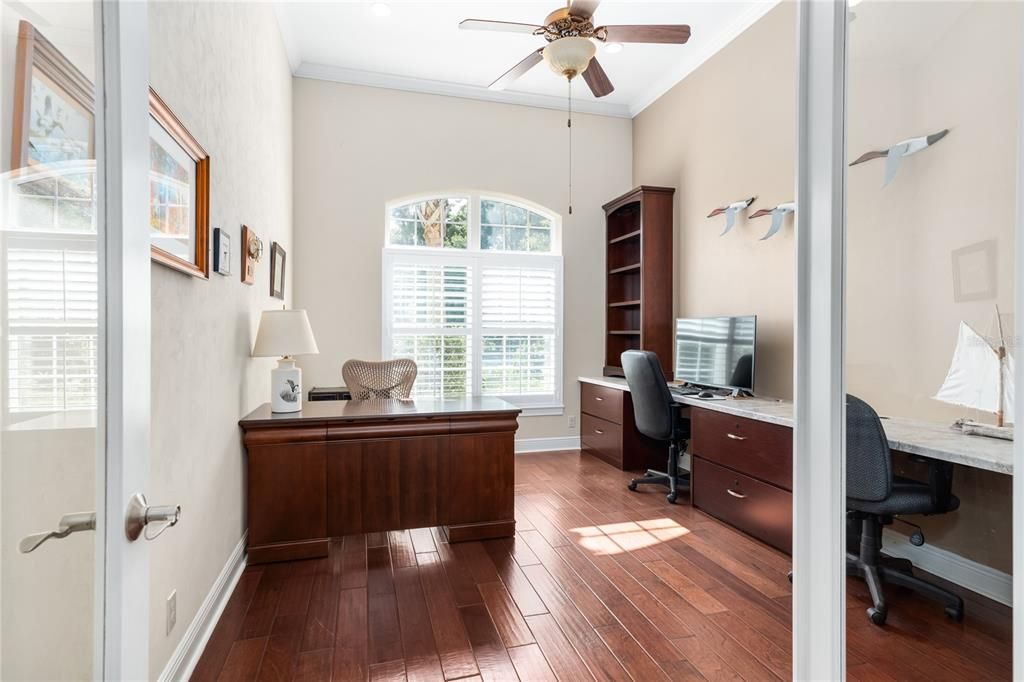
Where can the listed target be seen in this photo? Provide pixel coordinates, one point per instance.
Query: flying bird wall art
(895, 154)
(730, 212)
(778, 215)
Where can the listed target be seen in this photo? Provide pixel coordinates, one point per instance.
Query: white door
(74, 339)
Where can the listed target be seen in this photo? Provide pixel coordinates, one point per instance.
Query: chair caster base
(672, 497)
(877, 616)
(955, 614)
(632, 486)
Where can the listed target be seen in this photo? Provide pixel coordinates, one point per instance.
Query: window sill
(542, 410)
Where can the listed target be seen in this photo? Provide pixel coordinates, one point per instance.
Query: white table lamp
(284, 334)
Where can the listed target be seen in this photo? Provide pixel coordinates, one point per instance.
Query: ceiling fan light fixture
(613, 48)
(569, 57)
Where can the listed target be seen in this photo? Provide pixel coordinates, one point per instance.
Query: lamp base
(286, 387)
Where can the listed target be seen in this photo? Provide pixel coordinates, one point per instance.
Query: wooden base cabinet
(607, 430)
(742, 473)
(324, 475)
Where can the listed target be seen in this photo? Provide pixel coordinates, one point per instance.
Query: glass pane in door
(932, 128)
(49, 316)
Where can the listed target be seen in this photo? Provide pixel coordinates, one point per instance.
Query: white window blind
(519, 307)
(52, 314)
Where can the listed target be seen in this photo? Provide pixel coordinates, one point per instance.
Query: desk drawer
(758, 449)
(601, 438)
(602, 402)
(757, 508)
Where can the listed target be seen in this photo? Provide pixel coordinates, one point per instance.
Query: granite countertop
(927, 439)
(352, 410)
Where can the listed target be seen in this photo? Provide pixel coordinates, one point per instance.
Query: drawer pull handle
(598, 398)
(735, 437)
(599, 432)
(735, 494)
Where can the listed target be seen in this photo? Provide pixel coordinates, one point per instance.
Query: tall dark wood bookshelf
(639, 276)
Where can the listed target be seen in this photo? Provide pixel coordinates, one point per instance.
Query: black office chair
(657, 416)
(874, 496)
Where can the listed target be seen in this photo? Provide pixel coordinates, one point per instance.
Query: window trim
(477, 258)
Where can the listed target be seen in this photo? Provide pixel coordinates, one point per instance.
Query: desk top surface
(354, 410)
(927, 439)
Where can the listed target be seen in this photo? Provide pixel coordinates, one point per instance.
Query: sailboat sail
(973, 378)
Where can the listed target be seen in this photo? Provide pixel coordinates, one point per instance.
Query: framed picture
(277, 262)
(52, 118)
(252, 253)
(179, 193)
(221, 252)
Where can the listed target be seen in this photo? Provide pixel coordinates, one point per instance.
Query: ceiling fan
(570, 33)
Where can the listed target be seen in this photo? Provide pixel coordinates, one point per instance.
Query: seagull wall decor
(895, 154)
(730, 212)
(778, 215)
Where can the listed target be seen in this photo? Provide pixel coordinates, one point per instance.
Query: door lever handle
(140, 514)
(68, 524)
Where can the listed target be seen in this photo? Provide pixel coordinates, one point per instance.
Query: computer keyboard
(683, 390)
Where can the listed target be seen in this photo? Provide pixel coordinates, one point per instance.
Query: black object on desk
(329, 393)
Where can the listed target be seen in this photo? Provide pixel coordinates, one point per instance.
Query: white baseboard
(547, 444)
(190, 648)
(976, 577)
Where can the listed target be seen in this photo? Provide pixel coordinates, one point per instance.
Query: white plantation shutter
(430, 311)
(519, 308)
(52, 318)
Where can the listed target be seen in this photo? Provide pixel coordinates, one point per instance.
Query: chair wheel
(876, 616)
(632, 485)
(672, 497)
(955, 614)
(790, 576)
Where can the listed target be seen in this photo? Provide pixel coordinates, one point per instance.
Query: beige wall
(222, 69)
(356, 148)
(723, 134)
(727, 132)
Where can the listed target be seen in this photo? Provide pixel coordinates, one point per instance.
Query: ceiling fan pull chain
(570, 146)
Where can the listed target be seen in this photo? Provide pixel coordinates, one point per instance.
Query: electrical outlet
(172, 610)
(572, 421)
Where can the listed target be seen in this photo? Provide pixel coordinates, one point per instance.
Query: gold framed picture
(179, 193)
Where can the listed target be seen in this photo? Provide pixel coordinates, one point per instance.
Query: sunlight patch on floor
(616, 538)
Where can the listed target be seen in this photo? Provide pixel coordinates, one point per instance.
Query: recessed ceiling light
(381, 9)
(613, 48)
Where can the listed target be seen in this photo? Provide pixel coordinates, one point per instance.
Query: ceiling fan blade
(510, 76)
(583, 8)
(654, 33)
(597, 79)
(488, 25)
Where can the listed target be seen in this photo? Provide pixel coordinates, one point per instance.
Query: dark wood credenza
(338, 468)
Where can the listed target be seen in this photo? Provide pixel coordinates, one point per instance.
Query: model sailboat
(981, 378)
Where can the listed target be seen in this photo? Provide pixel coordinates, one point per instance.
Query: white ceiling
(420, 47)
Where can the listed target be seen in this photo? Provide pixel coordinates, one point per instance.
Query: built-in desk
(742, 459)
(344, 467)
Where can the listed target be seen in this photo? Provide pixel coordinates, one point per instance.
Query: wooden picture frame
(221, 252)
(44, 74)
(252, 253)
(173, 147)
(278, 260)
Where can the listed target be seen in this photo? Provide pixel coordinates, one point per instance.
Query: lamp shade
(570, 56)
(284, 332)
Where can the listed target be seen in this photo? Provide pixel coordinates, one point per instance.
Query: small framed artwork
(221, 252)
(179, 193)
(53, 119)
(252, 253)
(278, 258)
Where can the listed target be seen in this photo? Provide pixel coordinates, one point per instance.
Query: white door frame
(122, 121)
(1018, 409)
(819, 481)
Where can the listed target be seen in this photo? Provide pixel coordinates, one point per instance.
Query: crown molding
(338, 74)
(696, 59)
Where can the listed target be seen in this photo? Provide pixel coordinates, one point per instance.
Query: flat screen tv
(716, 352)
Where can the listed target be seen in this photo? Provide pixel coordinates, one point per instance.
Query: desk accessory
(285, 333)
(322, 393)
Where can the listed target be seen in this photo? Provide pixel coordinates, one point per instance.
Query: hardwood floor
(599, 583)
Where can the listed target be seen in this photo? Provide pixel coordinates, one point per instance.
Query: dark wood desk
(364, 466)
